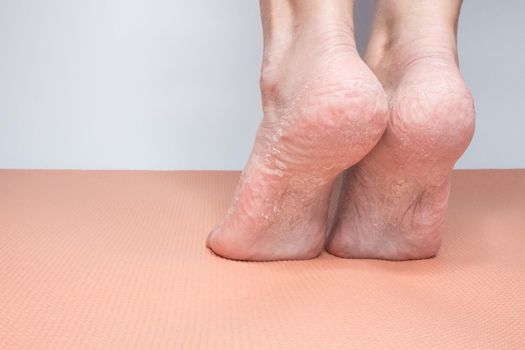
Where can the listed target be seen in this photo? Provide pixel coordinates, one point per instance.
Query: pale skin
(391, 125)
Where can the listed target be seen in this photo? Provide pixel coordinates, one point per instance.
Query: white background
(167, 84)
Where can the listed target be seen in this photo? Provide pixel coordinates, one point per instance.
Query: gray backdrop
(166, 84)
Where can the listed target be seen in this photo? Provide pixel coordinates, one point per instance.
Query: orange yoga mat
(116, 260)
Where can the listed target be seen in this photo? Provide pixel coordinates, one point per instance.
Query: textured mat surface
(116, 260)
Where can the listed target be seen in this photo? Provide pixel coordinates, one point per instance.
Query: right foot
(394, 200)
(324, 110)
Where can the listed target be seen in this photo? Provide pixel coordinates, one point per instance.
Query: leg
(394, 200)
(323, 111)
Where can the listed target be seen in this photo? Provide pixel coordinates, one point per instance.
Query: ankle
(405, 33)
(279, 15)
(436, 40)
(409, 20)
(285, 20)
(302, 39)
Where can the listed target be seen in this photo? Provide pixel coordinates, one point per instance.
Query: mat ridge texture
(116, 260)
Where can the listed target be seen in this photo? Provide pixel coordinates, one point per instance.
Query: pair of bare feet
(393, 127)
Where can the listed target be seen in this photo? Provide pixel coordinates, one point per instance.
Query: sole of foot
(393, 202)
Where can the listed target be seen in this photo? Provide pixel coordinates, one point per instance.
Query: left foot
(393, 201)
(324, 110)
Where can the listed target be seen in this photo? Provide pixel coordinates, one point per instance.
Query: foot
(394, 200)
(323, 111)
